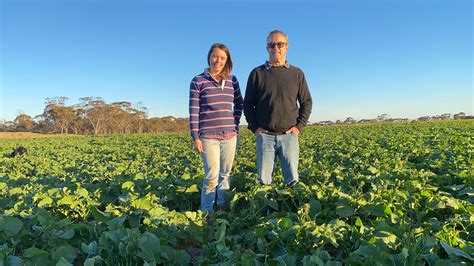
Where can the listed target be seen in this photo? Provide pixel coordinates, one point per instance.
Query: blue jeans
(287, 148)
(217, 156)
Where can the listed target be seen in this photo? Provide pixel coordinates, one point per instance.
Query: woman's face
(217, 60)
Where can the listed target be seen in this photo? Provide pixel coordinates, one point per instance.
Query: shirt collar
(268, 66)
(206, 73)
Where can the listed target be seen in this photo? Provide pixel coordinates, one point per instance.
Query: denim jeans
(287, 148)
(217, 156)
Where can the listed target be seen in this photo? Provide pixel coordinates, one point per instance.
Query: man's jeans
(217, 156)
(287, 148)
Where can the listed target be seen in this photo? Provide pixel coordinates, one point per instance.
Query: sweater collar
(207, 74)
(268, 66)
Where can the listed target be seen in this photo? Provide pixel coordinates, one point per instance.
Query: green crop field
(378, 194)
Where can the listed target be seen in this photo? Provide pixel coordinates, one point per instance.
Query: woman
(215, 107)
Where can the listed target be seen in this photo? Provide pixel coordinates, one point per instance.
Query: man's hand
(198, 145)
(259, 131)
(293, 130)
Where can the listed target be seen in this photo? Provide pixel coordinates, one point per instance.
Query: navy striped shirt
(214, 107)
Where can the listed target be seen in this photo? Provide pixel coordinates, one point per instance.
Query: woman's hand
(198, 145)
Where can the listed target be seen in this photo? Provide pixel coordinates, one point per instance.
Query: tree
(95, 112)
(24, 123)
(3, 124)
(424, 118)
(446, 116)
(460, 115)
(57, 115)
(349, 120)
(383, 117)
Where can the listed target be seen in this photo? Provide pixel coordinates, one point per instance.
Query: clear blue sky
(406, 58)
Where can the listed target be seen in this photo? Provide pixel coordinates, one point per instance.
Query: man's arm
(250, 103)
(306, 104)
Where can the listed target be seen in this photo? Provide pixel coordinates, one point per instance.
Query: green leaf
(344, 211)
(375, 210)
(372, 170)
(167, 252)
(82, 192)
(430, 258)
(129, 185)
(100, 215)
(467, 191)
(453, 203)
(272, 203)
(388, 238)
(16, 190)
(185, 176)
(311, 260)
(249, 258)
(116, 223)
(182, 258)
(45, 202)
(315, 207)
(36, 256)
(64, 252)
(63, 262)
(372, 255)
(150, 248)
(14, 261)
(91, 250)
(34, 252)
(92, 261)
(67, 200)
(284, 260)
(192, 189)
(142, 203)
(158, 212)
(63, 223)
(454, 251)
(11, 226)
(285, 223)
(358, 222)
(68, 233)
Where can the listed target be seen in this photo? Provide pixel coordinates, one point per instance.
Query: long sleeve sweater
(214, 107)
(272, 96)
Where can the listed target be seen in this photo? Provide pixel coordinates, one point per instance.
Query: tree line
(387, 118)
(93, 116)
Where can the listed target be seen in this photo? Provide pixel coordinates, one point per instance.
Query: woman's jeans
(217, 156)
(284, 146)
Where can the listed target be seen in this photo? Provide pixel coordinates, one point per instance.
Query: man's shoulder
(259, 68)
(295, 68)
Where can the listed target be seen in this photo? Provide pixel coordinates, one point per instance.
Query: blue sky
(406, 58)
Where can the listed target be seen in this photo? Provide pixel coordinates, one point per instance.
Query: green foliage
(383, 194)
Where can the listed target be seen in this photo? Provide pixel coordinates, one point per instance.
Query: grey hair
(273, 32)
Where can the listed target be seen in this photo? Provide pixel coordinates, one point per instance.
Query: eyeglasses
(272, 45)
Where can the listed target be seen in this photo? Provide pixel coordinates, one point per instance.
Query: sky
(361, 58)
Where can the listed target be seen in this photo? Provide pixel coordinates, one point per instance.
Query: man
(272, 113)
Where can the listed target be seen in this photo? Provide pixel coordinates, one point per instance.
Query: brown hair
(228, 63)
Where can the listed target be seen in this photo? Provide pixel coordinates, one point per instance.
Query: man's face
(277, 48)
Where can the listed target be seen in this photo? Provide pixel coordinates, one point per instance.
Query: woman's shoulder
(199, 77)
(232, 77)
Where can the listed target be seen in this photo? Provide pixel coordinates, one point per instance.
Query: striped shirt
(214, 108)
